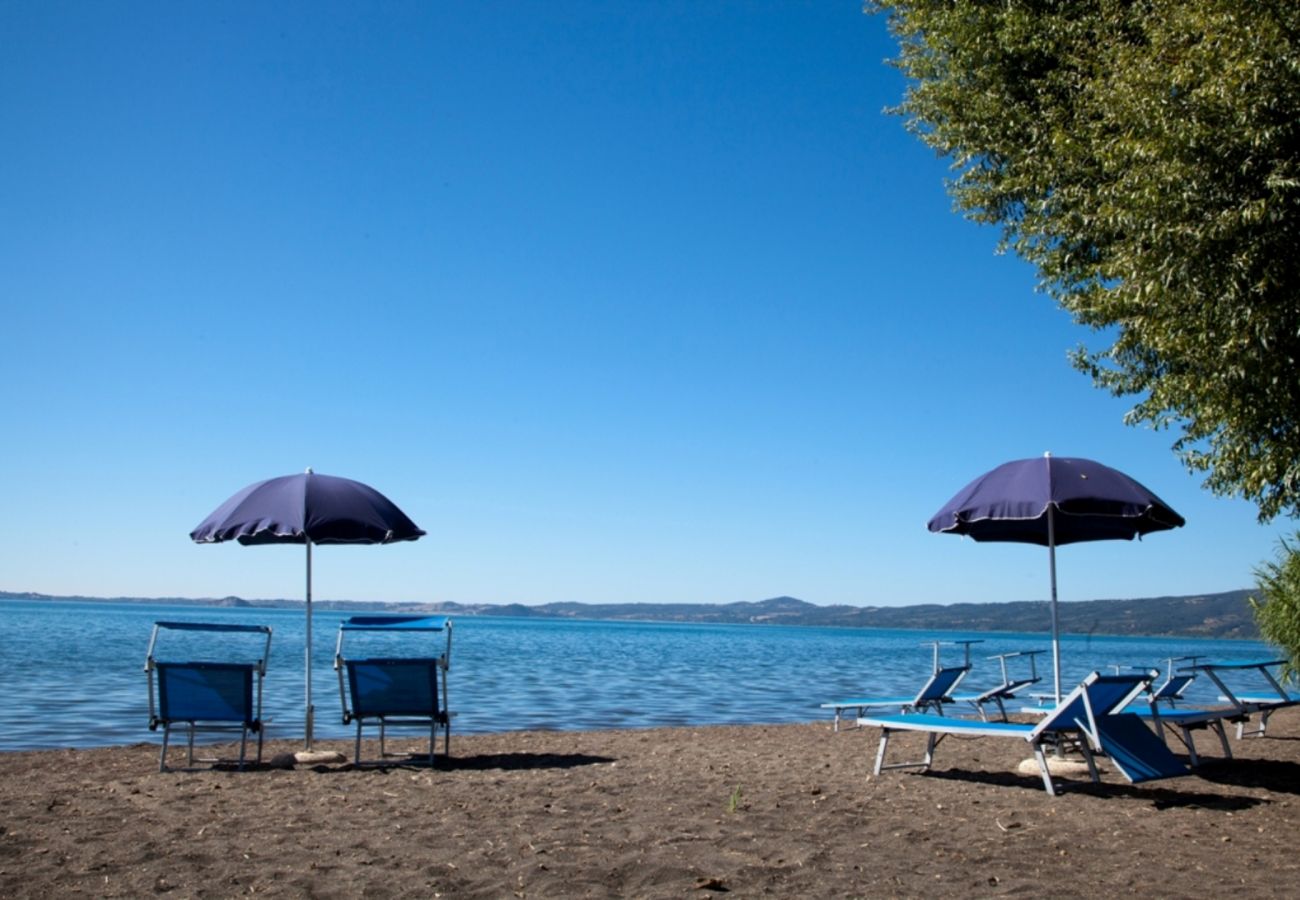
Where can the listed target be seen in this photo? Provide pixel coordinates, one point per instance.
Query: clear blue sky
(619, 302)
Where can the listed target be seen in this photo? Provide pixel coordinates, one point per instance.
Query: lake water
(75, 671)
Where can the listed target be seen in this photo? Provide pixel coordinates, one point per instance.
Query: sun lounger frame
(1007, 690)
(392, 711)
(221, 681)
(1263, 705)
(934, 694)
(1177, 680)
(1079, 721)
(1184, 722)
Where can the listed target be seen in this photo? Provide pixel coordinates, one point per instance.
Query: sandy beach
(786, 810)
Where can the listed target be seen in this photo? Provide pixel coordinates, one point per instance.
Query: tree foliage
(1277, 608)
(1144, 155)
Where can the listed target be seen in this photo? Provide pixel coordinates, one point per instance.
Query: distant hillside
(1225, 615)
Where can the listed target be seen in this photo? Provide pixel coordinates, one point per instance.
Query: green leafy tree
(1277, 608)
(1145, 158)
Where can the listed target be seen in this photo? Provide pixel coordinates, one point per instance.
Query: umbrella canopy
(297, 509)
(1051, 501)
(307, 509)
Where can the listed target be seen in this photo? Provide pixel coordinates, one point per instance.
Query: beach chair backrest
(1172, 689)
(402, 686)
(206, 692)
(940, 685)
(1098, 695)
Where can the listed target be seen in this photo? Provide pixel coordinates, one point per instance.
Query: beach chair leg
(1223, 738)
(1086, 749)
(1044, 770)
(190, 728)
(1189, 741)
(357, 756)
(162, 757)
(1254, 732)
(383, 752)
(880, 751)
(243, 746)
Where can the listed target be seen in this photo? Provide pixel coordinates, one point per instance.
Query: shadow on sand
(506, 762)
(1160, 796)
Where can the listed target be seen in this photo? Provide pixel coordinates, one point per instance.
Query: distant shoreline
(1221, 615)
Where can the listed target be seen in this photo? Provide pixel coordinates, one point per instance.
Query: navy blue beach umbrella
(307, 509)
(1051, 501)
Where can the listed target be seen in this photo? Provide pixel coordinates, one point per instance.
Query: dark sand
(785, 811)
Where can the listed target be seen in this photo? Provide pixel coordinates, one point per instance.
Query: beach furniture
(1160, 708)
(936, 691)
(395, 691)
(1258, 692)
(1177, 681)
(1184, 722)
(999, 694)
(1090, 718)
(206, 695)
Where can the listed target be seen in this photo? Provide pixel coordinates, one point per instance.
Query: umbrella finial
(309, 471)
(1046, 455)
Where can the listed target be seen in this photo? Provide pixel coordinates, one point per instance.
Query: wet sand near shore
(788, 810)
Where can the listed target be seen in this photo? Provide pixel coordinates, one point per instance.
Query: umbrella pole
(1056, 627)
(310, 645)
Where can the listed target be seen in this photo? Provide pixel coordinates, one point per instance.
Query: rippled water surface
(75, 671)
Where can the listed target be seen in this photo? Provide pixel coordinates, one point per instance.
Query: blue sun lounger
(1091, 717)
(1170, 691)
(395, 691)
(1185, 721)
(1263, 698)
(1161, 709)
(933, 694)
(999, 694)
(206, 695)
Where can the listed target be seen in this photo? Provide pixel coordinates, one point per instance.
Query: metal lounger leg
(162, 757)
(1086, 749)
(880, 751)
(1044, 770)
(1223, 738)
(932, 740)
(1190, 743)
(1254, 732)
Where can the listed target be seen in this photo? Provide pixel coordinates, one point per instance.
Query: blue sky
(619, 302)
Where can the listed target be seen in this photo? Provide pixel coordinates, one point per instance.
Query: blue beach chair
(936, 691)
(395, 691)
(1161, 709)
(1090, 718)
(1262, 698)
(1185, 722)
(207, 695)
(1177, 680)
(999, 694)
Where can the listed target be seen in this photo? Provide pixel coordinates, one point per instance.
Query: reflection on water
(75, 671)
